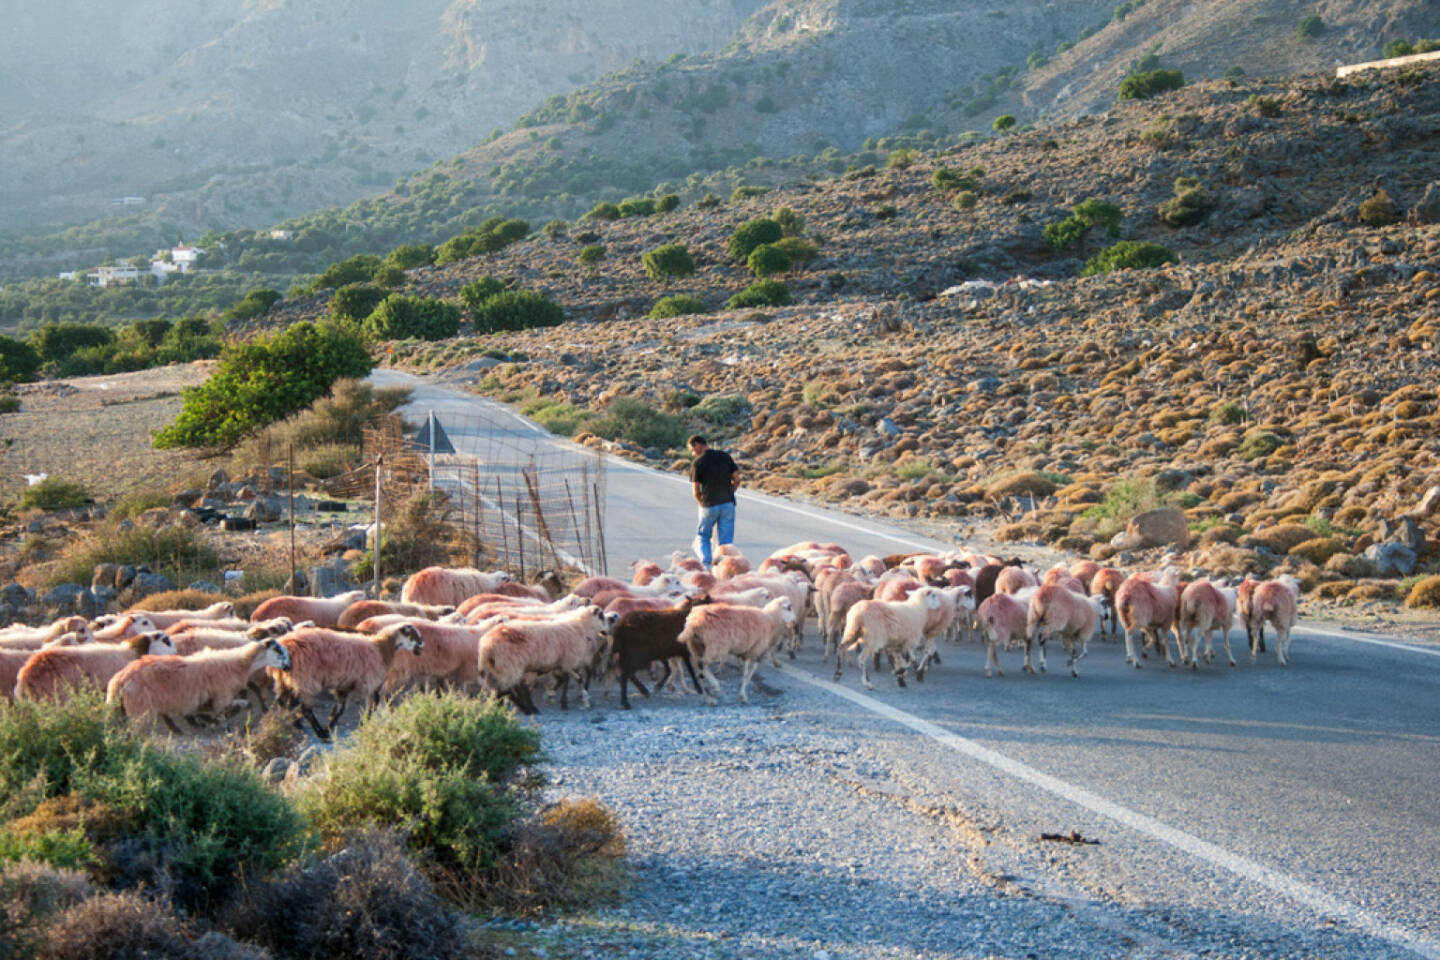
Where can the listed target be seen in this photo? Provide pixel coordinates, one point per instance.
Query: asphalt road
(1291, 796)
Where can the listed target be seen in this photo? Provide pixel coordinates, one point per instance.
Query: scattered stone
(1165, 527)
(1391, 559)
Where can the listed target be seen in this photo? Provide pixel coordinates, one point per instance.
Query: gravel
(798, 826)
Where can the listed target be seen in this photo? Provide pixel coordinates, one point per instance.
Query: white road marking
(1283, 884)
(1375, 641)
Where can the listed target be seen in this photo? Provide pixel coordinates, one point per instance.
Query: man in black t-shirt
(714, 477)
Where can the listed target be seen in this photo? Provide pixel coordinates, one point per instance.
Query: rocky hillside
(240, 113)
(1277, 385)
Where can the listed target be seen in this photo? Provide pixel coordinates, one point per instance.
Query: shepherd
(715, 477)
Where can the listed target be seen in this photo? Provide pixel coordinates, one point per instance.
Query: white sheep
(450, 586)
(1055, 608)
(344, 664)
(896, 628)
(116, 628)
(18, 636)
(165, 619)
(12, 660)
(1003, 622)
(52, 673)
(716, 631)
(324, 611)
(184, 686)
(1146, 607)
(569, 645)
(1205, 606)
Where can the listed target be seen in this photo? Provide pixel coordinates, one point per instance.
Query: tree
(1310, 27)
(1003, 122)
(1142, 86)
(355, 301)
(411, 255)
(477, 291)
(18, 360)
(767, 260)
(399, 317)
(668, 261)
(751, 234)
(517, 310)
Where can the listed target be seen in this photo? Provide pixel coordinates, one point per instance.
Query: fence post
(432, 451)
(479, 515)
(520, 534)
(292, 516)
(504, 530)
(375, 567)
(600, 528)
(575, 525)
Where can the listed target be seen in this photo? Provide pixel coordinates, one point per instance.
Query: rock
(63, 597)
(1391, 559)
(1428, 209)
(1431, 501)
(154, 517)
(887, 427)
(1403, 530)
(1157, 528)
(16, 596)
(124, 576)
(331, 578)
(299, 586)
(87, 605)
(147, 583)
(217, 479)
(265, 509)
(187, 498)
(104, 595)
(204, 586)
(1168, 480)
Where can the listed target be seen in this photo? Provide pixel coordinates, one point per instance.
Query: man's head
(697, 445)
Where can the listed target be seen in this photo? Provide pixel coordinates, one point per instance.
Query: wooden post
(504, 531)
(375, 567)
(432, 452)
(600, 528)
(520, 535)
(575, 525)
(479, 515)
(542, 529)
(292, 516)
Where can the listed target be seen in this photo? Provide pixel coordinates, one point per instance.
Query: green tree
(1129, 255)
(390, 276)
(262, 381)
(668, 261)
(1142, 86)
(517, 310)
(763, 293)
(603, 211)
(1310, 27)
(55, 342)
(355, 301)
(411, 255)
(18, 360)
(1003, 122)
(667, 203)
(399, 317)
(767, 260)
(751, 234)
(791, 223)
(477, 291)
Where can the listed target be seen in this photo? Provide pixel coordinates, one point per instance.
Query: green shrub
(56, 342)
(356, 301)
(966, 199)
(626, 418)
(358, 269)
(947, 180)
(400, 318)
(901, 159)
(679, 305)
(747, 192)
(477, 291)
(667, 203)
(176, 551)
(752, 234)
(64, 849)
(1064, 234)
(763, 293)
(1258, 443)
(1088, 213)
(390, 276)
(791, 223)
(256, 303)
(556, 416)
(767, 260)
(1397, 48)
(796, 250)
(914, 469)
(1191, 203)
(455, 771)
(259, 382)
(668, 261)
(408, 256)
(1227, 412)
(1310, 27)
(722, 409)
(492, 236)
(18, 360)
(1129, 255)
(1379, 210)
(555, 229)
(637, 207)
(517, 310)
(1143, 86)
(1003, 122)
(708, 202)
(1017, 196)
(53, 493)
(590, 256)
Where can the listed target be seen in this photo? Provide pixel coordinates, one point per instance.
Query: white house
(106, 276)
(282, 235)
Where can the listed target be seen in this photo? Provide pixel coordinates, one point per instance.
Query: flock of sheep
(472, 630)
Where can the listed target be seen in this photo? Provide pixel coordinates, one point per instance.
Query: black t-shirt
(714, 471)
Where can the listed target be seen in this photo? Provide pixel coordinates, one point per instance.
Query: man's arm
(698, 497)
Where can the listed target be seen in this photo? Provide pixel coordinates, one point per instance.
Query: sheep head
(276, 657)
(407, 637)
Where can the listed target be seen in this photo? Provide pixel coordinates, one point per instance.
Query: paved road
(1301, 797)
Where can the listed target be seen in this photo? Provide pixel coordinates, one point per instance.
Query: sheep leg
(839, 663)
(564, 689)
(308, 712)
(1282, 645)
(585, 693)
(992, 660)
(690, 669)
(1070, 651)
(1130, 656)
(712, 686)
(865, 674)
(521, 695)
(169, 723)
(1225, 636)
(747, 670)
(626, 679)
(898, 667)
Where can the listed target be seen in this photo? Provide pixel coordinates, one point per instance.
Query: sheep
(365, 609)
(123, 627)
(682, 563)
(447, 656)
(18, 636)
(623, 605)
(1060, 575)
(450, 586)
(1004, 620)
(171, 687)
(1012, 579)
(1274, 602)
(794, 585)
(564, 605)
(233, 624)
(728, 567)
(592, 585)
(1205, 607)
(1244, 605)
(1148, 608)
(471, 603)
(195, 639)
(520, 590)
(51, 673)
(345, 664)
(165, 619)
(566, 646)
(641, 637)
(872, 565)
(1104, 583)
(895, 628)
(844, 595)
(322, 612)
(11, 660)
(986, 576)
(895, 589)
(715, 632)
(1084, 570)
(701, 580)
(645, 571)
(1056, 608)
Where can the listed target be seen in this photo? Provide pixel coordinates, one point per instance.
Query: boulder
(16, 596)
(217, 479)
(124, 576)
(265, 509)
(87, 605)
(204, 586)
(147, 583)
(1403, 530)
(1428, 504)
(1157, 528)
(1391, 559)
(62, 598)
(331, 578)
(1428, 209)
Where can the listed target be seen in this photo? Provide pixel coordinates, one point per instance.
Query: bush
(517, 310)
(455, 771)
(791, 223)
(557, 416)
(637, 207)
(947, 180)
(1143, 86)
(389, 276)
(901, 159)
(763, 293)
(746, 192)
(1258, 443)
(722, 409)
(178, 600)
(1227, 412)
(667, 203)
(257, 303)
(603, 211)
(366, 900)
(668, 261)
(408, 256)
(356, 301)
(1129, 255)
(1310, 27)
(679, 305)
(401, 318)
(1003, 122)
(1379, 210)
(477, 291)
(30, 894)
(18, 360)
(1425, 593)
(708, 202)
(767, 260)
(628, 419)
(1397, 48)
(1191, 203)
(57, 342)
(178, 552)
(131, 926)
(590, 256)
(53, 493)
(568, 855)
(966, 200)
(260, 382)
(752, 234)
(339, 418)
(797, 251)
(1064, 234)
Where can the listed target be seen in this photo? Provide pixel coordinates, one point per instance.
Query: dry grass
(179, 600)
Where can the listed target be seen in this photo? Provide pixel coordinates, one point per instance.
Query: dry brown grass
(1425, 594)
(179, 600)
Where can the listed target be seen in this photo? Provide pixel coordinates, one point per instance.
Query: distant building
(111, 275)
(68, 274)
(180, 259)
(128, 202)
(282, 234)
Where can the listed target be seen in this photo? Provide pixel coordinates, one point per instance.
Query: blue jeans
(721, 515)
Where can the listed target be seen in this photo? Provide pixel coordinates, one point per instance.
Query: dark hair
(696, 438)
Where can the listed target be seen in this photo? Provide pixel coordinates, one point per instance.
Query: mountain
(242, 112)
